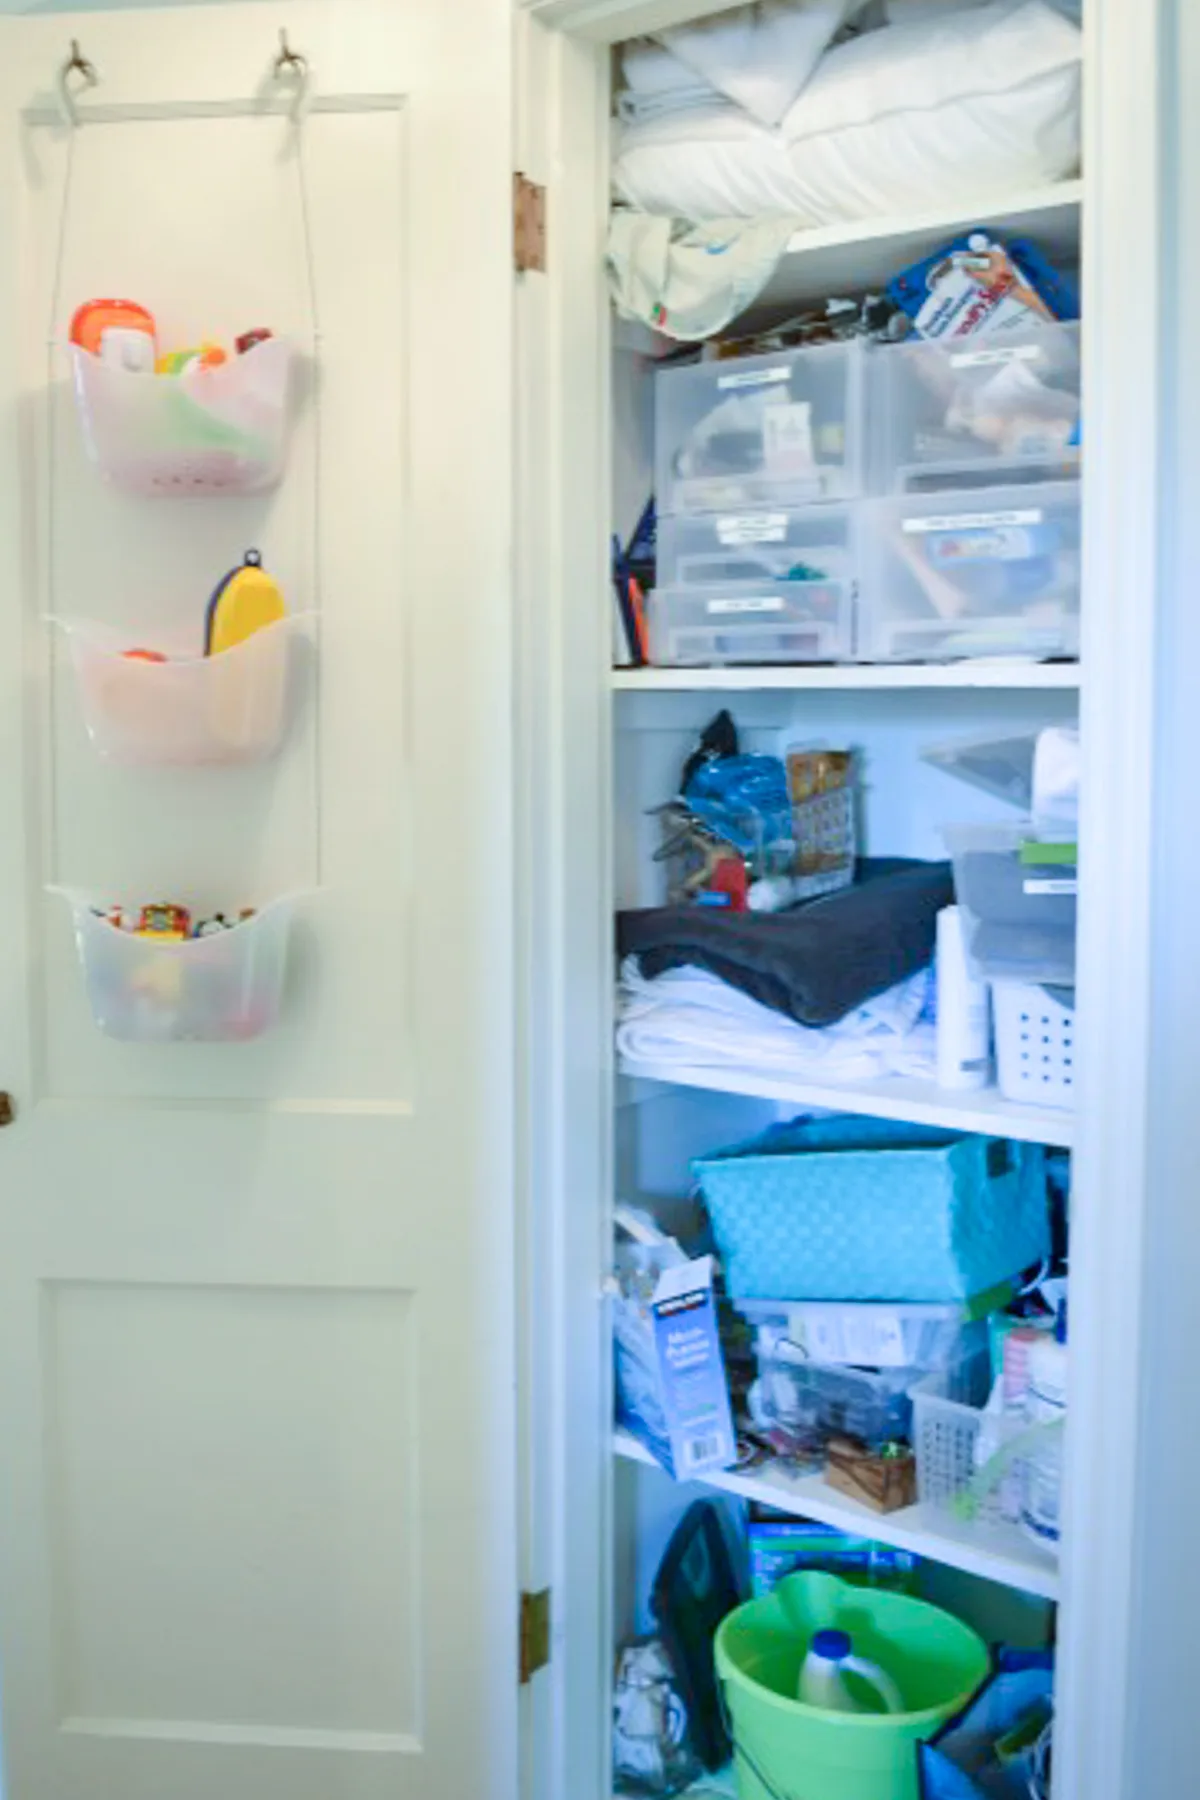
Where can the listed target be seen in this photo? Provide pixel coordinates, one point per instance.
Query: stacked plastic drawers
(974, 551)
(757, 461)
(910, 503)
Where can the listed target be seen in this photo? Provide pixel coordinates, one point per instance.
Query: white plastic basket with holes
(946, 1437)
(1035, 1043)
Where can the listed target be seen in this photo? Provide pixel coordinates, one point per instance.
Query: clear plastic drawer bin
(779, 430)
(964, 414)
(216, 430)
(878, 1336)
(994, 572)
(226, 987)
(1017, 891)
(808, 545)
(230, 708)
(757, 622)
(819, 1400)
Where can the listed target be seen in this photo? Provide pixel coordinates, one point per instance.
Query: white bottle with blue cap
(824, 1672)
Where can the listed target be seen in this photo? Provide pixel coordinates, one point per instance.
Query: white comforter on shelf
(952, 105)
(689, 1019)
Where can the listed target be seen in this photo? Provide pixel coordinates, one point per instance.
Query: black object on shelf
(695, 1589)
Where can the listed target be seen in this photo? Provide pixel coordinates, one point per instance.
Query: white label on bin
(1031, 515)
(745, 378)
(788, 439)
(752, 528)
(1050, 884)
(979, 359)
(764, 603)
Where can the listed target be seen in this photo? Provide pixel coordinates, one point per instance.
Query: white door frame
(564, 481)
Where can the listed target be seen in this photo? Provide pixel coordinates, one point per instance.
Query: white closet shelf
(893, 1097)
(1011, 676)
(862, 257)
(996, 1552)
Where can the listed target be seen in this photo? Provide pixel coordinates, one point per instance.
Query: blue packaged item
(845, 1208)
(778, 1547)
(998, 1749)
(745, 801)
(978, 284)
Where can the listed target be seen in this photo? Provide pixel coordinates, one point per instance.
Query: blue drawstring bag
(999, 1748)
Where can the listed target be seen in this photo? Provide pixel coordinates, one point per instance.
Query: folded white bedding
(761, 56)
(940, 110)
(690, 1019)
(658, 85)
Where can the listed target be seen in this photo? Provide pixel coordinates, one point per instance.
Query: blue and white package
(671, 1389)
(999, 1748)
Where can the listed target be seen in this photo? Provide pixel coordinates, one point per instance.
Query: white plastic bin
(781, 430)
(223, 988)
(230, 708)
(1017, 892)
(946, 1431)
(1035, 1043)
(993, 572)
(961, 414)
(862, 1333)
(208, 431)
(756, 622)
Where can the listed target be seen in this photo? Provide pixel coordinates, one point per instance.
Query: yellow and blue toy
(246, 601)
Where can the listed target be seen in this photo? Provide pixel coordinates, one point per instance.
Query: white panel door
(256, 1371)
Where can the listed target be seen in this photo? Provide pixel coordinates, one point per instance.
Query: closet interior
(857, 600)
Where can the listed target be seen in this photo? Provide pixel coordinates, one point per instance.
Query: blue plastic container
(863, 1209)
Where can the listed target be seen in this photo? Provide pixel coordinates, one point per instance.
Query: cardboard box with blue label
(671, 1387)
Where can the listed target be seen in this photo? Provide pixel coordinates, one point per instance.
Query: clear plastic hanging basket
(231, 708)
(208, 431)
(223, 988)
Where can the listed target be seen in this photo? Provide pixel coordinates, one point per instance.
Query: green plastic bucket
(785, 1750)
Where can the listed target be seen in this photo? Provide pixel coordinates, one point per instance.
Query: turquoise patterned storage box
(863, 1209)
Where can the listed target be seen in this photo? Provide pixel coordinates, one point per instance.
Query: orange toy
(95, 317)
(154, 656)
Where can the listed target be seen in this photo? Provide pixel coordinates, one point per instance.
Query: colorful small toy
(212, 927)
(119, 332)
(206, 356)
(249, 339)
(246, 601)
(140, 655)
(112, 915)
(171, 924)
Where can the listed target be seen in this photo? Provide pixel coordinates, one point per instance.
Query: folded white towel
(688, 1018)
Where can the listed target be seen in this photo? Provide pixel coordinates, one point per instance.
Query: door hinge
(535, 1633)
(529, 226)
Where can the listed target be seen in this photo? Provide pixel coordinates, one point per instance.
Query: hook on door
(76, 64)
(291, 66)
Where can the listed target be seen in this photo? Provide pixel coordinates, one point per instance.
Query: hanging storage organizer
(188, 710)
(207, 432)
(149, 990)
